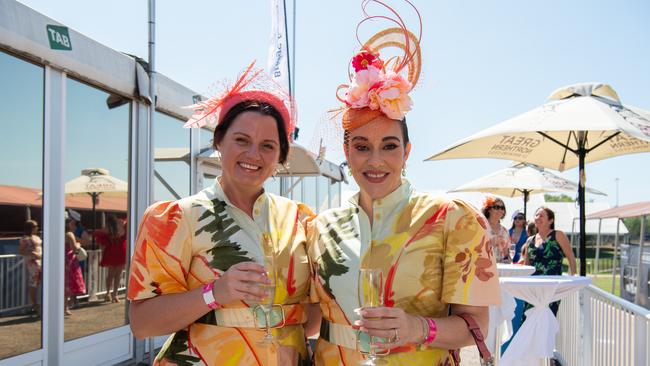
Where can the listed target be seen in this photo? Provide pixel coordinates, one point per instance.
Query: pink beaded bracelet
(433, 330)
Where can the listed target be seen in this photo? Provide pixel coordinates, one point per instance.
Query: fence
(13, 283)
(597, 328)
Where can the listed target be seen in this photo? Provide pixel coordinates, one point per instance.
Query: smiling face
(542, 219)
(376, 153)
(497, 210)
(250, 151)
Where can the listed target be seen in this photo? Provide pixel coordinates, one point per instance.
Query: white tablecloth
(501, 315)
(535, 339)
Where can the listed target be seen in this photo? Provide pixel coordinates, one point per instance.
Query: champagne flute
(370, 295)
(266, 303)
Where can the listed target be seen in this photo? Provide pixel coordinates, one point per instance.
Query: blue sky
(483, 62)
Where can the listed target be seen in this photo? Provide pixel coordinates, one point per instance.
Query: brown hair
(550, 214)
(486, 209)
(29, 226)
(261, 108)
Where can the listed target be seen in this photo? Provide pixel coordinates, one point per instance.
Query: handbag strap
(479, 339)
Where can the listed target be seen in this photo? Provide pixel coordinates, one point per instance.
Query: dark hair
(486, 210)
(520, 214)
(402, 125)
(550, 214)
(261, 108)
(29, 226)
(111, 225)
(531, 229)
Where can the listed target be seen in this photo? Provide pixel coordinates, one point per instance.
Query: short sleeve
(163, 253)
(469, 273)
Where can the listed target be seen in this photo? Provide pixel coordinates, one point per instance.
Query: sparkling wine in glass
(370, 295)
(266, 303)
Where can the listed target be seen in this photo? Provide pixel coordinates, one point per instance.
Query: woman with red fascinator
(430, 254)
(204, 265)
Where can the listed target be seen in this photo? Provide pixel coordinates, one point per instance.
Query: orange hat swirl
(381, 86)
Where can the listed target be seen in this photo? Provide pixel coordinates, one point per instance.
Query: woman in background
(547, 249)
(518, 234)
(494, 210)
(74, 280)
(31, 247)
(113, 243)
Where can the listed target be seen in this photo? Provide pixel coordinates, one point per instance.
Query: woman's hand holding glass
(391, 323)
(242, 281)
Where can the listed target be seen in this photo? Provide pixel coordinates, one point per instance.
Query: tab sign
(58, 37)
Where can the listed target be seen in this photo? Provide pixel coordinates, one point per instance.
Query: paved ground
(20, 334)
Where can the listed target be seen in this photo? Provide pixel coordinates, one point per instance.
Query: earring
(403, 172)
(349, 172)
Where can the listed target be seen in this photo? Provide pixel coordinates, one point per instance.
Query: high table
(535, 340)
(501, 315)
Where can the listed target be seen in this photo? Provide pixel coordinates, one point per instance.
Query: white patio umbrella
(521, 180)
(579, 123)
(95, 182)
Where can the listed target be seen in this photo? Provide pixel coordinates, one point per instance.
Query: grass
(604, 282)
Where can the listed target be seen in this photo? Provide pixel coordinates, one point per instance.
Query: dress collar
(220, 194)
(393, 198)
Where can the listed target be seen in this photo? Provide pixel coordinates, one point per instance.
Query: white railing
(13, 284)
(597, 328)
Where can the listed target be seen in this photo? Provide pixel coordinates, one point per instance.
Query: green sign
(59, 37)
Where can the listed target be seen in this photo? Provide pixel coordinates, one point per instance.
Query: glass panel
(205, 138)
(309, 192)
(323, 193)
(171, 141)
(21, 184)
(96, 167)
(296, 192)
(272, 185)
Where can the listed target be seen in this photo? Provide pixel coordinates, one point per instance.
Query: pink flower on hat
(357, 94)
(377, 89)
(364, 59)
(392, 96)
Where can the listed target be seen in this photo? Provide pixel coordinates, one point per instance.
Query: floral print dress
(547, 260)
(185, 244)
(432, 252)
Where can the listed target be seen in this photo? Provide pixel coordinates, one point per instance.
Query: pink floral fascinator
(381, 86)
(252, 84)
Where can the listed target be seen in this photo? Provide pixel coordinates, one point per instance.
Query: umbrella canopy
(95, 182)
(579, 123)
(521, 180)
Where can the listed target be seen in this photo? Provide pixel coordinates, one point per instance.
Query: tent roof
(24, 196)
(631, 210)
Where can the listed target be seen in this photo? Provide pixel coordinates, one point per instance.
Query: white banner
(278, 61)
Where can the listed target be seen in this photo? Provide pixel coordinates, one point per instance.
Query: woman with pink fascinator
(392, 264)
(204, 265)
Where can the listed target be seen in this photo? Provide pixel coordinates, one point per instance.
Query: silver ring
(395, 338)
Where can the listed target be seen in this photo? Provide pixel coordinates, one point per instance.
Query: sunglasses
(496, 207)
(519, 218)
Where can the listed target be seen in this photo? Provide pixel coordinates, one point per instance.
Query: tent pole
(526, 194)
(638, 297)
(614, 268)
(596, 267)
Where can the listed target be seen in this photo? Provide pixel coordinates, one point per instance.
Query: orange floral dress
(432, 252)
(184, 244)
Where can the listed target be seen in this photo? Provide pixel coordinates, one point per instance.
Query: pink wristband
(433, 330)
(208, 296)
